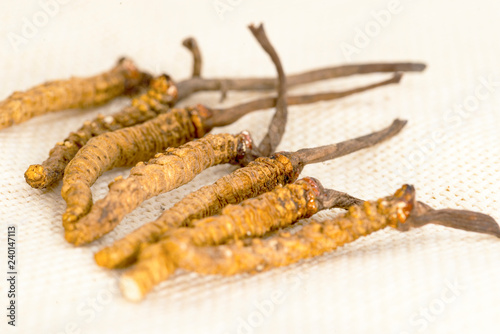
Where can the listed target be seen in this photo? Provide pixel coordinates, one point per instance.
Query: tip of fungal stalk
(418, 67)
(36, 176)
(458, 219)
(130, 289)
(188, 42)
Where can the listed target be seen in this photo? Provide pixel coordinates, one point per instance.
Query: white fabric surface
(378, 284)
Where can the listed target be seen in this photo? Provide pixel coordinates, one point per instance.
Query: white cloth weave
(433, 280)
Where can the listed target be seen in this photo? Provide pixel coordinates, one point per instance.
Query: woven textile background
(432, 280)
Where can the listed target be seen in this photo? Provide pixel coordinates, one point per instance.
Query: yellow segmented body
(260, 176)
(252, 218)
(165, 172)
(162, 94)
(124, 147)
(314, 239)
(71, 93)
(183, 249)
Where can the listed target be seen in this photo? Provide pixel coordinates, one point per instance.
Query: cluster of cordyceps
(217, 229)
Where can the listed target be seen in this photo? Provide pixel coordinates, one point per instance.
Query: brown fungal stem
(226, 116)
(193, 85)
(278, 123)
(328, 152)
(260, 176)
(191, 44)
(458, 219)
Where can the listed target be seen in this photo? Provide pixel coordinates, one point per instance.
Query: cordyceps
(139, 143)
(260, 176)
(72, 93)
(252, 218)
(166, 171)
(192, 251)
(162, 93)
(51, 170)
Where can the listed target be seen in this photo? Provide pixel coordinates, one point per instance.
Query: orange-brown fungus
(162, 93)
(71, 93)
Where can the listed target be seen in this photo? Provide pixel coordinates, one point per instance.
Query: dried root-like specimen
(76, 189)
(128, 146)
(252, 218)
(260, 176)
(173, 172)
(51, 171)
(71, 93)
(167, 171)
(124, 147)
(161, 94)
(198, 249)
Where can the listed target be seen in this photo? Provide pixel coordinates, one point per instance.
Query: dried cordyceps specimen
(252, 218)
(51, 170)
(314, 239)
(191, 44)
(182, 250)
(128, 146)
(134, 144)
(399, 211)
(166, 171)
(162, 92)
(193, 85)
(260, 176)
(71, 93)
(465, 220)
(124, 147)
(277, 126)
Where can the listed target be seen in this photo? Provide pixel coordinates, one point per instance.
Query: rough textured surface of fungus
(162, 93)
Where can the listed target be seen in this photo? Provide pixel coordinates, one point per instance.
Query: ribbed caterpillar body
(71, 93)
(260, 176)
(165, 172)
(162, 94)
(196, 249)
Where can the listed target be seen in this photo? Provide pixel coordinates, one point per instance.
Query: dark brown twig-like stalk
(191, 44)
(458, 219)
(328, 152)
(193, 85)
(278, 122)
(226, 116)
